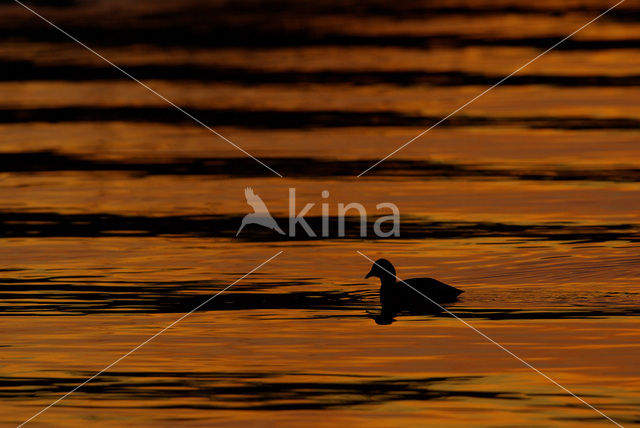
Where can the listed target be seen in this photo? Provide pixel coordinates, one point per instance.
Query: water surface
(118, 214)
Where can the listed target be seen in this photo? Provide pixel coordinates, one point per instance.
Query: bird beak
(369, 275)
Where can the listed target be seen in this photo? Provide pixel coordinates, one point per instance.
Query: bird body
(417, 288)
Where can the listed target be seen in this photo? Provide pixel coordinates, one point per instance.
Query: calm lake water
(118, 214)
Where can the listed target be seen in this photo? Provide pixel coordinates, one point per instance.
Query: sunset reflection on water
(119, 214)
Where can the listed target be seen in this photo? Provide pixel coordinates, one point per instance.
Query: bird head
(382, 268)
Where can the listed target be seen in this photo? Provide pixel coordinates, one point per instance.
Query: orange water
(549, 266)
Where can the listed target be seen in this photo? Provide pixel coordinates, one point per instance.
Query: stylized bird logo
(260, 213)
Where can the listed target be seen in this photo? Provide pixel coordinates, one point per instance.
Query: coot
(409, 293)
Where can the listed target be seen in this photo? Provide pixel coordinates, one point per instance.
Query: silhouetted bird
(260, 214)
(396, 296)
